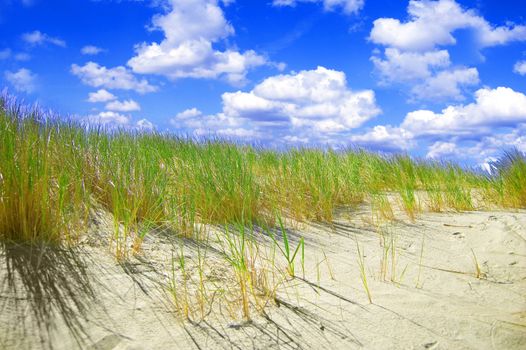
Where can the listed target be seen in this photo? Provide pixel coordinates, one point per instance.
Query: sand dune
(433, 299)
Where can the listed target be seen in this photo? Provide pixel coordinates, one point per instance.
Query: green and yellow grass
(52, 172)
(55, 174)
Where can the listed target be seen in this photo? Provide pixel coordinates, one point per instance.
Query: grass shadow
(42, 287)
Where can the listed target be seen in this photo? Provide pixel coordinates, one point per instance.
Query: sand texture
(434, 299)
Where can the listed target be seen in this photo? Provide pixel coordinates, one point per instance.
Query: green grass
(43, 196)
(52, 172)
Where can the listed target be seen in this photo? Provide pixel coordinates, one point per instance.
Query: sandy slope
(84, 299)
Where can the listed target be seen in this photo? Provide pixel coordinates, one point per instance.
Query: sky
(437, 79)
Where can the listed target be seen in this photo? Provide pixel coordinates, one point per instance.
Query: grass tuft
(52, 171)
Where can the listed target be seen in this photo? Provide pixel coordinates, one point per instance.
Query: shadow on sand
(40, 287)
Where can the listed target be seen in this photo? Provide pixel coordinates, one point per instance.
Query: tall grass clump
(217, 180)
(52, 172)
(126, 177)
(43, 198)
(308, 184)
(512, 179)
(405, 172)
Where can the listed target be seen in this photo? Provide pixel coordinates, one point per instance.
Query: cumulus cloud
(145, 124)
(401, 66)
(22, 80)
(430, 74)
(442, 149)
(95, 75)
(500, 107)
(195, 122)
(348, 6)
(317, 108)
(181, 118)
(412, 55)
(483, 151)
(520, 67)
(493, 122)
(109, 118)
(317, 99)
(315, 105)
(493, 144)
(101, 95)
(115, 120)
(190, 28)
(38, 38)
(91, 50)
(123, 106)
(432, 23)
(446, 84)
(385, 138)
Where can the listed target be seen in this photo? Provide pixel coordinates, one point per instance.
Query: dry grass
(53, 171)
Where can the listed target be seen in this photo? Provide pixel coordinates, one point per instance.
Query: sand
(85, 299)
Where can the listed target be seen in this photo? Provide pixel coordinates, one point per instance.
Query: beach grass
(53, 171)
(56, 173)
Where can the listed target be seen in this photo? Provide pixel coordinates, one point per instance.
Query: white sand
(86, 300)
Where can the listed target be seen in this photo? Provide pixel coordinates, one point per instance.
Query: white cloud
(109, 118)
(488, 165)
(494, 122)
(446, 84)
(239, 133)
(432, 23)
(113, 120)
(317, 99)
(185, 115)
(385, 138)
(93, 74)
(179, 24)
(38, 38)
(442, 149)
(500, 107)
(412, 55)
(124, 106)
(101, 95)
(348, 6)
(194, 121)
(145, 124)
(91, 50)
(293, 139)
(483, 151)
(190, 28)
(429, 73)
(22, 80)
(316, 105)
(520, 67)
(400, 66)
(494, 144)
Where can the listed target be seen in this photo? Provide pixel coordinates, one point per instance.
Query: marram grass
(43, 195)
(52, 172)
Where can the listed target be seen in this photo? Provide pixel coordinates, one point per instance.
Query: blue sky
(434, 78)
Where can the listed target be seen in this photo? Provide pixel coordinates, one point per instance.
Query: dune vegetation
(53, 172)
